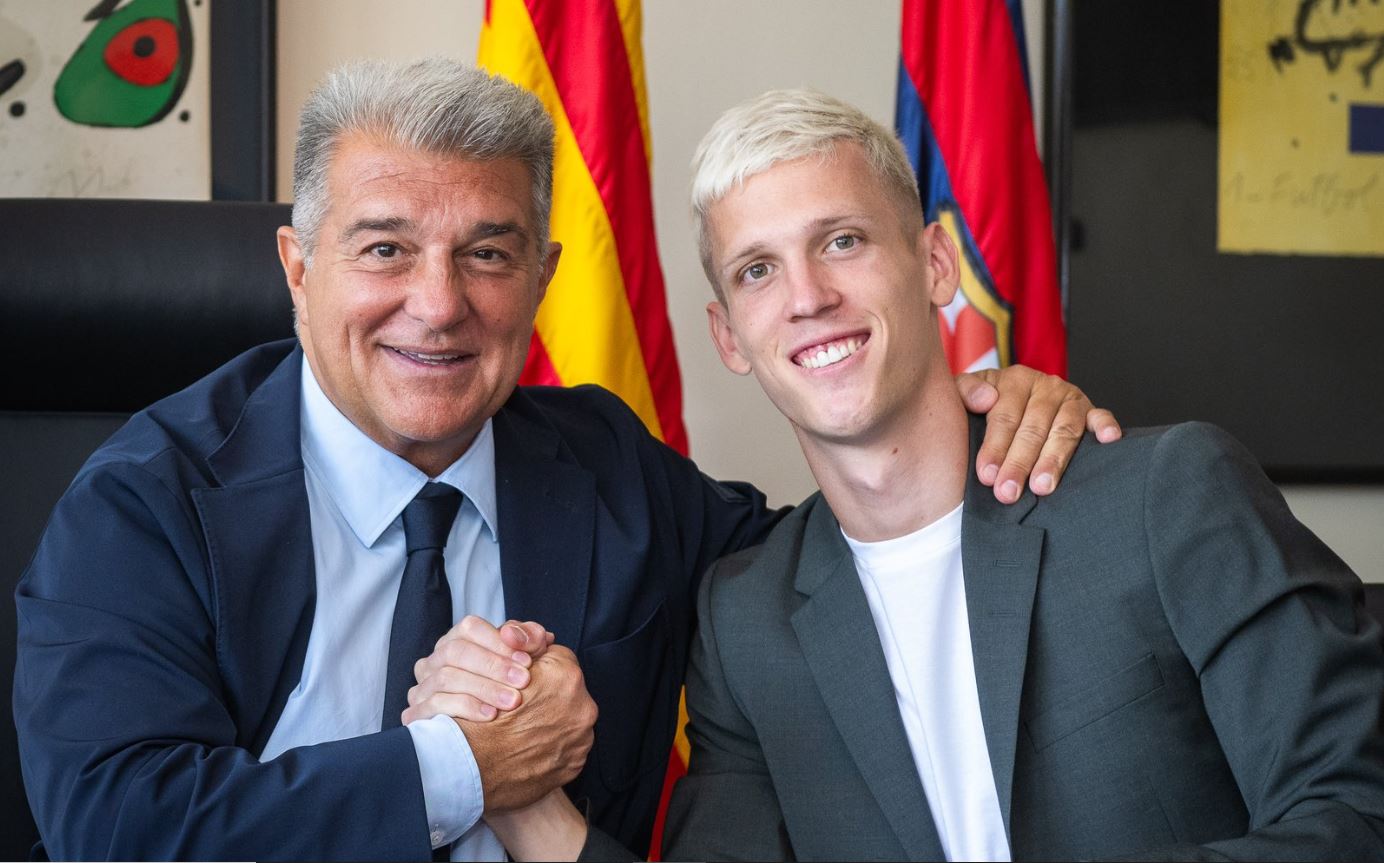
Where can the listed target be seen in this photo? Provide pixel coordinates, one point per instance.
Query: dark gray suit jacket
(1169, 665)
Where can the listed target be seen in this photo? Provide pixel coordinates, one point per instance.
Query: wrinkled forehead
(368, 178)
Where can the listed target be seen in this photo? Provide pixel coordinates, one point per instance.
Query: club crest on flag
(975, 325)
(962, 113)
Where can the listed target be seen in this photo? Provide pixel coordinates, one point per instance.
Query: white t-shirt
(917, 597)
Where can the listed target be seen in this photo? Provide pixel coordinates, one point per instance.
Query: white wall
(701, 57)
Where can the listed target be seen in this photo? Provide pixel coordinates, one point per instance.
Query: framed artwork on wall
(1160, 144)
(137, 99)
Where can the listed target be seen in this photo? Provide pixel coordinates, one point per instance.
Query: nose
(810, 291)
(437, 295)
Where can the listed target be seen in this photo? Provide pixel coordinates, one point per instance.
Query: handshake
(522, 703)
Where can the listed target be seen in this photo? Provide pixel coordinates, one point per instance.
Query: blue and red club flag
(964, 117)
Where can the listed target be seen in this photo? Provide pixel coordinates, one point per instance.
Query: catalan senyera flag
(604, 319)
(963, 114)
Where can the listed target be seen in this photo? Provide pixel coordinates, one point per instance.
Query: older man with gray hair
(223, 633)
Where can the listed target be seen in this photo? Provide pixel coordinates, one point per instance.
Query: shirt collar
(370, 485)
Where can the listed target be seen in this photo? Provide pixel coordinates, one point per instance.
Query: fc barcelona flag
(604, 319)
(963, 114)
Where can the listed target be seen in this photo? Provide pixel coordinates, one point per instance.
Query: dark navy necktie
(423, 612)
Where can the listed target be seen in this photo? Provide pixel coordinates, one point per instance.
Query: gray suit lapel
(1000, 558)
(841, 647)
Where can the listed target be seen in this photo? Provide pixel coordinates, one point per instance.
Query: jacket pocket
(628, 678)
(1095, 702)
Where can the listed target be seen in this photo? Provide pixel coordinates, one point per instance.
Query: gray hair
(780, 126)
(434, 106)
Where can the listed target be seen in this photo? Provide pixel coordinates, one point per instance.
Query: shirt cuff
(452, 794)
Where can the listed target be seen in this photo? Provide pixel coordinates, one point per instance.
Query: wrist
(549, 829)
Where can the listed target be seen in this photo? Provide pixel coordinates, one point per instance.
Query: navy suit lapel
(841, 646)
(1000, 558)
(259, 541)
(547, 525)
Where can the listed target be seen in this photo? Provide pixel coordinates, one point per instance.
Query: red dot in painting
(145, 52)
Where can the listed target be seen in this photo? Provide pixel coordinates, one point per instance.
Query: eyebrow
(361, 226)
(816, 226)
(497, 229)
(393, 224)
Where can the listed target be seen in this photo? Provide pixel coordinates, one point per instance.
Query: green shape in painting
(132, 66)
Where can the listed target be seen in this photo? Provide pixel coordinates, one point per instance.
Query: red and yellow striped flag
(605, 317)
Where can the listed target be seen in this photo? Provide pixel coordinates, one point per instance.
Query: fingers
(1103, 425)
(519, 641)
(475, 646)
(528, 637)
(456, 704)
(1051, 417)
(1014, 387)
(437, 693)
(977, 389)
(1061, 443)
(558, 654)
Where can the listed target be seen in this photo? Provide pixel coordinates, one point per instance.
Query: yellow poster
(1301, 167)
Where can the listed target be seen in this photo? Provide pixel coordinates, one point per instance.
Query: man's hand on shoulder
(1033, 424)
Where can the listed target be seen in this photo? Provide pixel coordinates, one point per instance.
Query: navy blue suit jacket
(164, 619)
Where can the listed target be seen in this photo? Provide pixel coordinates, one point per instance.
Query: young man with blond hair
(1160, 661)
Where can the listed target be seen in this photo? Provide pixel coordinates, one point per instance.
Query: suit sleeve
(1289, 662)
(709, 518)
(725, 808)
(128, 747)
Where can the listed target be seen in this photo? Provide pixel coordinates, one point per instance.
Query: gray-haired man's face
(417, 311)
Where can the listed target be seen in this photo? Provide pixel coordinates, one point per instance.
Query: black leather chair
(106, 306)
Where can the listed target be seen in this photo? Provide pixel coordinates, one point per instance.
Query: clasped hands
(522, 703)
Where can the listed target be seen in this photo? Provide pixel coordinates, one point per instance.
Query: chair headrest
(108, 305)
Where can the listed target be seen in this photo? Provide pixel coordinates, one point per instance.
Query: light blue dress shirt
(356, 493)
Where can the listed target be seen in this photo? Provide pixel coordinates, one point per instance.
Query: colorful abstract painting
(105, 99)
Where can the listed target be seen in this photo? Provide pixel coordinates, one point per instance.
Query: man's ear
(549, 270)
(295, 270)
(724, 339)
(943, 263)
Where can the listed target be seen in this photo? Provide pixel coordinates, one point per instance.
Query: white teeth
(830, 355)
(429, 358)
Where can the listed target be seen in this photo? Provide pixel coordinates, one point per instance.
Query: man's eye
(487, 254)
(384, 250)
(755, 272)
(843, 242)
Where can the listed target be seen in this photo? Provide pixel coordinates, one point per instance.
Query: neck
(906, 477)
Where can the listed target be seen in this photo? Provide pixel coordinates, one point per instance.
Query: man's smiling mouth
(430, 359)
(829, 353)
